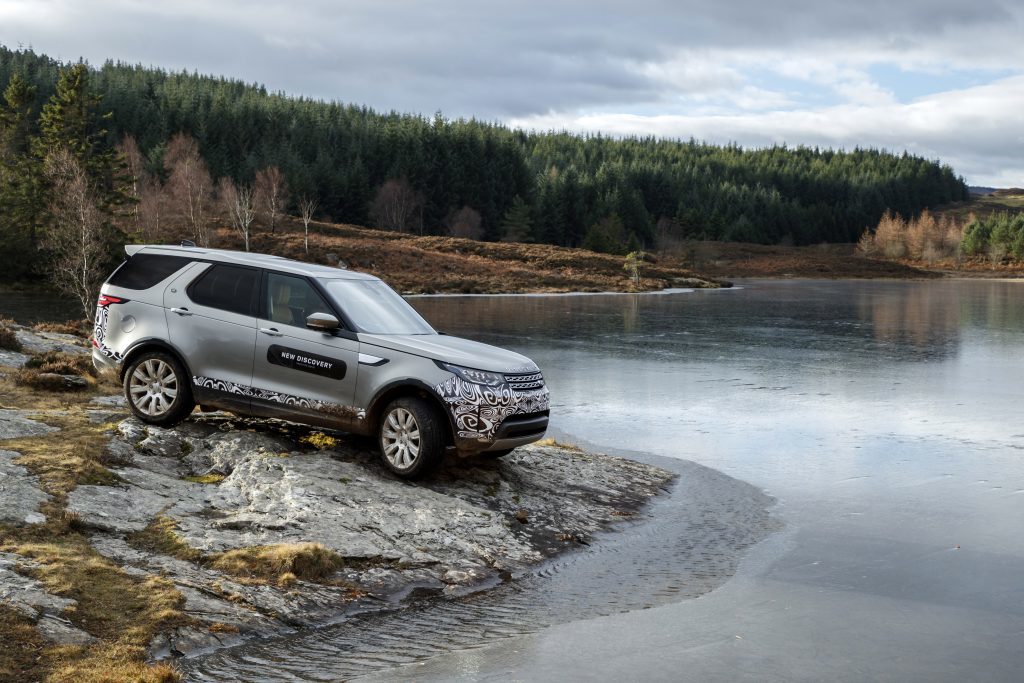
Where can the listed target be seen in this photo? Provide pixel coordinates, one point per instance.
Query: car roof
(246, 258)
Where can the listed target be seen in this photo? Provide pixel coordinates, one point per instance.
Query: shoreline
(245, 530)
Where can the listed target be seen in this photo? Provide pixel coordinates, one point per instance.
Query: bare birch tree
(466, 223)
(272, 187)
(189, 185)
(396, 205)
(75, 238)
(153, 209)
(307, 206)
(128, 149)
(239, 202)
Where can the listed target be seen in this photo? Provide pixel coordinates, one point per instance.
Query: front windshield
(375, 308)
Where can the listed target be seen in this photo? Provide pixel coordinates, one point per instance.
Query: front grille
(525, 381)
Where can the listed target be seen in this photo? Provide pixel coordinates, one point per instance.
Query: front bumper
(520, 430)
(494, 417)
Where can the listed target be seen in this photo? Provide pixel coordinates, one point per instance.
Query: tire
(494, 455)
(411, 437)
(158, 390)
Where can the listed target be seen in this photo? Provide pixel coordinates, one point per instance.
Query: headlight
(473, 376)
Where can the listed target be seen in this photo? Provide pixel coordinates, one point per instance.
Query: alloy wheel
(153, 387)
(400, 438)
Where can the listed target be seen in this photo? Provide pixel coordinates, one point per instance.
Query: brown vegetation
(273, 563)
(828, 261)
(8, 339)
(122, 611)
(414, 264)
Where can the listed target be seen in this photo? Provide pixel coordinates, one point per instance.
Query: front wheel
(411, 437)
(158, 389)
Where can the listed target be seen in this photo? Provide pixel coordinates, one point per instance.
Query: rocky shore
(249, 529)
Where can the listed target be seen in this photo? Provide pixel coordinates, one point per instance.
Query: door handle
(181, 311)
(271, 331)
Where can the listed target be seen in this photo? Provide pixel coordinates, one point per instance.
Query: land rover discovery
(266, 336)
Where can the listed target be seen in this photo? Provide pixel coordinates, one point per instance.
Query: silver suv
(266, 336)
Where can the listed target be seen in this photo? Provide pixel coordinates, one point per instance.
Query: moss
(212, 478)
(320, 441)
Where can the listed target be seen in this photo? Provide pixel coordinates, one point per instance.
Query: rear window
(229, 288)
(142, 271)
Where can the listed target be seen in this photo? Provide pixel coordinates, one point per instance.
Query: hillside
(553, 187)
(1009, 200)
(430, 264)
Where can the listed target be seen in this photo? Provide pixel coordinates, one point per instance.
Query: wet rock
(456, 533)
(20, 496)
(15, 425)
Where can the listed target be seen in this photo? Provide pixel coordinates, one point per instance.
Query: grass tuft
(161, 536)
(272, 563)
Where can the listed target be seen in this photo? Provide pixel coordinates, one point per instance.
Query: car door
(308, 375)
(211, 320)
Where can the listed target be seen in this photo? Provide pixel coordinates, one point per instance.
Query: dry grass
(63, 363)
(122, 611)
(8, 339)
(42, 372)
(161, 537)
(415, 264)
(558, 444)
(21, 647)
(78, 328)
(272, 563)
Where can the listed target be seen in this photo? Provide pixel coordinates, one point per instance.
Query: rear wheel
(158, 389)
(411, 437)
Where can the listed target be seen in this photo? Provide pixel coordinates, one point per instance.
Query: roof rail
(188, 243)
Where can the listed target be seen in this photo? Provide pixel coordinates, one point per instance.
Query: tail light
(106, 300)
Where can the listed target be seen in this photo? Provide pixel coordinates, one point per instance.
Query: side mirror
(323, 322)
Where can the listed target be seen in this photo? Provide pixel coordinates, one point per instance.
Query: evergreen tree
(516, 225)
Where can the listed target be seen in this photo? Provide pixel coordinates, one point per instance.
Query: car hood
(456, 350)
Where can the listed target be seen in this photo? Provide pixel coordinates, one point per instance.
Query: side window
(142, 271)
(290, 300)
(229, 288)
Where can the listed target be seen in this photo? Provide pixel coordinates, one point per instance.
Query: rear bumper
(105, 365)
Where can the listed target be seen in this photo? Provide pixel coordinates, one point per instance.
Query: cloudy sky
(941, 78)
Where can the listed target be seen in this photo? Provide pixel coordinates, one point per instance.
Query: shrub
(8, 339)
(62, 363)
(47, 381)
